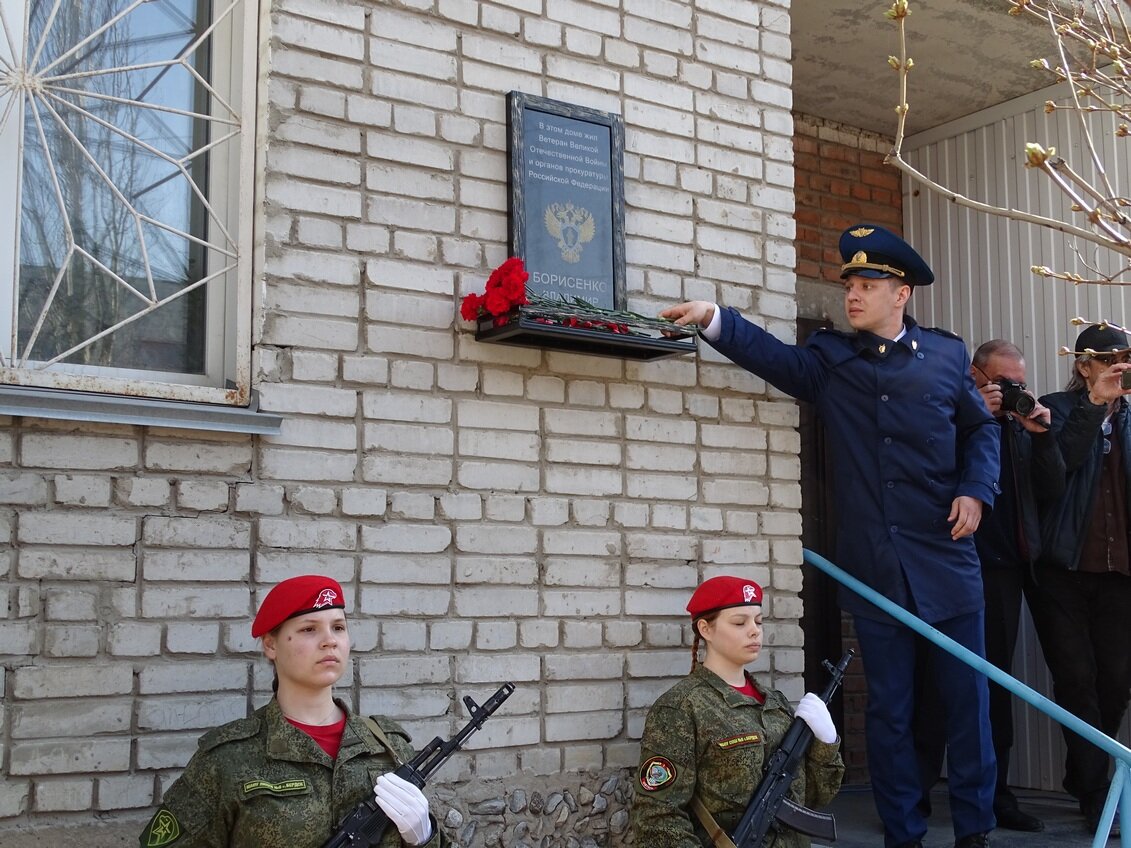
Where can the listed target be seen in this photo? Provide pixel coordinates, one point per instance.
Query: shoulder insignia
(390, 726)
(940, 331)
(163, 829)
(243, 728)
(656, 773)
(740, 741)
(832, 331)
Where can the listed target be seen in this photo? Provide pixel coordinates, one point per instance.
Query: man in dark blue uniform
(915, 460)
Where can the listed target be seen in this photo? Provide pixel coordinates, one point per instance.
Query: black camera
(1014, 398)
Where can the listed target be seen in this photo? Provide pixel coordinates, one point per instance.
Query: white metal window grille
(126, 156)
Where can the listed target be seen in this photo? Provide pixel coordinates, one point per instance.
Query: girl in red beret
(709, 737)
(285, 776)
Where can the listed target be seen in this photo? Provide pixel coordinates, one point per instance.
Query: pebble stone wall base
(588, 811)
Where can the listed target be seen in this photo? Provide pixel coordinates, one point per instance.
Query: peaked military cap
(722, 593)
(1101, 338)
(297, 596)
(868, 250)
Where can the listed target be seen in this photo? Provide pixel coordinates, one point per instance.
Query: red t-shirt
(328, 736)
(750, 691)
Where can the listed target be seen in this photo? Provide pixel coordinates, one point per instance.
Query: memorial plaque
(567, 199)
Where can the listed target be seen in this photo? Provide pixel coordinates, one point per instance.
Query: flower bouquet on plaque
(506, 299)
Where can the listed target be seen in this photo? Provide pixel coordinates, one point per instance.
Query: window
(127, 144)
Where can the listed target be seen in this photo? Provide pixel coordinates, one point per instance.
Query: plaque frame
(519, 106)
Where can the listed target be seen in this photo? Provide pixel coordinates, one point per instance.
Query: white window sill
(120, 409)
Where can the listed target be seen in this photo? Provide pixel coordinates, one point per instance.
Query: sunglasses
(1106, 430)
(1109, 358)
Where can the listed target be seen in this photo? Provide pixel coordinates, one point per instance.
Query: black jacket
(1076, 421)
(1032, 478)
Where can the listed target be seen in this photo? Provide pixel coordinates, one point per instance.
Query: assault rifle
(770, 800)
(366, 824)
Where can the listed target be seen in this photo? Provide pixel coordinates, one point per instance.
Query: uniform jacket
(702, 737)
(260, 782)
(1032, 477)
(909, 433)
(1076, 421)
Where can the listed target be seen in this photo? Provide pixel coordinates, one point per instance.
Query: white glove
(812, 710)
(406, 807)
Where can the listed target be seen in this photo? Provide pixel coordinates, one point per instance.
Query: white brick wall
(494, 513)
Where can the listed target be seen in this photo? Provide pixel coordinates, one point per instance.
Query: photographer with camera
(1080, 592)
(1008, 542)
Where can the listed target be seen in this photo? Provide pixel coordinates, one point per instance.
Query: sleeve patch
(656, 773)
(163, 829)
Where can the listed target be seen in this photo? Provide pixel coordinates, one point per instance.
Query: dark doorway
(821, 618)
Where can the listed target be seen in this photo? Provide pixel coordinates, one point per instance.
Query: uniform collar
(881, 348)
(732, 696)
(287, 742)
(358, 739)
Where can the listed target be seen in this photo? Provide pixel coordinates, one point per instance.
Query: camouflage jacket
(260, 782)
(703, 738)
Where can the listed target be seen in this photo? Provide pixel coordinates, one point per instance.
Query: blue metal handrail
(1120, 792)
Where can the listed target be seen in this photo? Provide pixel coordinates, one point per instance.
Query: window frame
(235, 41)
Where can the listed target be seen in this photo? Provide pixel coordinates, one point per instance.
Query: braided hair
(698, 638)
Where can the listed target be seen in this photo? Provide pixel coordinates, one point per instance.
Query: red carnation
(514, 287)
(469, 308)
(504, 290)
(496, 301)
(513, 267)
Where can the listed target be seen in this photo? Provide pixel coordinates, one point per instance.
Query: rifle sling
(383, 739)
(718, 835)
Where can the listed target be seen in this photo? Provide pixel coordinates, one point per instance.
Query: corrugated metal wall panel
(984, 289)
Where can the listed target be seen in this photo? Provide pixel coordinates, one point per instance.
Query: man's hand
(1107, 386)
(991, 397)
(698, 312)
(1037, 421)
(965, 515)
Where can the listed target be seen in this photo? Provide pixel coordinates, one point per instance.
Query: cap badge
(325, 598)
(860, 232)
(748, 593)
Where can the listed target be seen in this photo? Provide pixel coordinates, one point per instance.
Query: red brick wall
(855, 689)
(841, 179)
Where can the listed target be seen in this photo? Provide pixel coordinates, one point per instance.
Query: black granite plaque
(567, 198)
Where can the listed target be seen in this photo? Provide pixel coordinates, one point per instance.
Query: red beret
(296, 596)
(723, 592)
